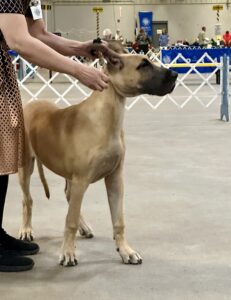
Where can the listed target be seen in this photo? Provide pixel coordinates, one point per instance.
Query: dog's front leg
(68, 257)
(85, 229)
(114, 185)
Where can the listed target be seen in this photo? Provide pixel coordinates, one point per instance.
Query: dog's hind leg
(85, 229)
(114, 185)
(24, 173)
(77, 190)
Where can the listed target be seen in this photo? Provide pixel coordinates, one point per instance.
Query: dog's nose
(171, 75)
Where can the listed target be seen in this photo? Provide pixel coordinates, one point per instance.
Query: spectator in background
(107, 34)
(202, 39)
(143, 41)
(118, 36)
(163, 39)
(227, 39)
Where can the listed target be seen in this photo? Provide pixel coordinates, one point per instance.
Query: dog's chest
(107, 161)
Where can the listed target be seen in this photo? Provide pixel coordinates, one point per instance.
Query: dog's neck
(108, 107)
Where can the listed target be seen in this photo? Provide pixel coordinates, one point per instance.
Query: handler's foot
(13, 263)
(17, 247)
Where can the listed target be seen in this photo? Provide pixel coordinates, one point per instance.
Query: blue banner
(193, 55)
(145, 18)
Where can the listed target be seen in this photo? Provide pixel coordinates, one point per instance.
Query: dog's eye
(144, 63)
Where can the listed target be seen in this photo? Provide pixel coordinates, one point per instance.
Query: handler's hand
(91, 77)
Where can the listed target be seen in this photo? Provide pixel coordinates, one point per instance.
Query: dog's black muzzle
(171, 75)
(167, 83)
(158, 81)
(171, 78)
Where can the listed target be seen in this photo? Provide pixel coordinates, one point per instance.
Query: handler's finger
(105, 78)
(104, 85)
(105, 43)
(100, 87)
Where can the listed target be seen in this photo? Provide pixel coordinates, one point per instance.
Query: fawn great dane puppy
(84, 143)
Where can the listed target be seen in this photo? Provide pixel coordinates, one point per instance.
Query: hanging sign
(145, 18)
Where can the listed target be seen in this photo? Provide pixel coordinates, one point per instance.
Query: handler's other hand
(91, 77)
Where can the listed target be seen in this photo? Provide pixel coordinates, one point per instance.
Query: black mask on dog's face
(156, 80)
(133, 75)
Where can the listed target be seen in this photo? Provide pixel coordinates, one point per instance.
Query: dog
(84, 143)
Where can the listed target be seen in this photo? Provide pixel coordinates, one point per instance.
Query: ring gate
(36, 83)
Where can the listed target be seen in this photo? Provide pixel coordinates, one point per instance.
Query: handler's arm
(15, 31)
(60, 44)
(68, 47)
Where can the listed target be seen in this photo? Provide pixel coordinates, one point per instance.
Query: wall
(184, 20)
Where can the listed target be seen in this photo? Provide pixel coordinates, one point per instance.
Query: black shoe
(13, 263)
(16, 246)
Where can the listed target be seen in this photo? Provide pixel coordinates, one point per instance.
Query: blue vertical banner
(145, 18)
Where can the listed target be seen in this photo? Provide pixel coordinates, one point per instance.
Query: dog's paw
(68, 260)
(85, 229)
(130, 256)
(26, 234)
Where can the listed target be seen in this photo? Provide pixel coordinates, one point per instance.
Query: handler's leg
(114, 185)
(11, 248)
(3, 189)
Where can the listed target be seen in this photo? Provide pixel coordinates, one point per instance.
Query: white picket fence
(36, 83)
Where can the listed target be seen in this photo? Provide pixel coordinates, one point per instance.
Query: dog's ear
(117, 47)
(114, 63)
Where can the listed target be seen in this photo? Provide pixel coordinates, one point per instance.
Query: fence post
(224, 92)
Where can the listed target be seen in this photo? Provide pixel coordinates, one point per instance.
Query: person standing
(118, 36)
(202, 39)
(143, 41)
(107, 34)
(22, 29)
(227, 39)
(163, 39)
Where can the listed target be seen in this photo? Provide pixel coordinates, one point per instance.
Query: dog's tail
(42, 177)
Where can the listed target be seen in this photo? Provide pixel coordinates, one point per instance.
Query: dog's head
(134, 74)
